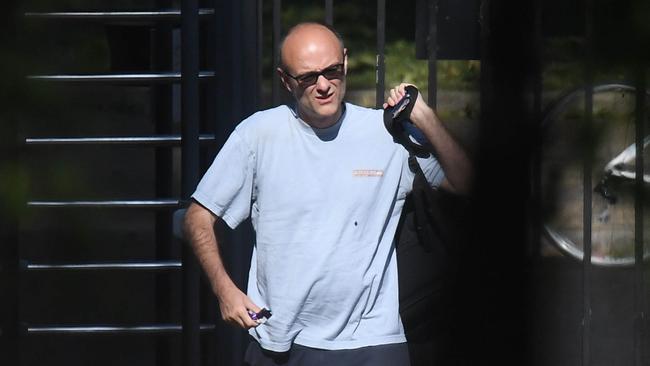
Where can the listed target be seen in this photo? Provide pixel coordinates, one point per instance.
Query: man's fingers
(242, 320)
(247, 321)
(402, 88)
(396, 94)
(239, 318)
(236, 308)
(394, 97)
(251, 305)
(389, 102)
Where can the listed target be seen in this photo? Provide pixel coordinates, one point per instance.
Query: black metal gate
(162, 258)
(211, 52)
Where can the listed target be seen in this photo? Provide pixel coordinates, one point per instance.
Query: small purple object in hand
(262, 316)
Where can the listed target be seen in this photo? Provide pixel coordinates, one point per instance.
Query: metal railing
(118, 16)
(233, 99)
(189, 142)
(135, 79)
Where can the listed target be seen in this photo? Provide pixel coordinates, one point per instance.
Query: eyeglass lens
(334, 72)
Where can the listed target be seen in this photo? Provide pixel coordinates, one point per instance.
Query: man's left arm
(451, 156)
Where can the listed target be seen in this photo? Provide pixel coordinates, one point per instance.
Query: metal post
(381, 42)
(639, 285)
(535, 223)
(190, 171)
(329, 12)
(224, 106)
(432, 47)
(224, 35)
(250, 54)
(586, 186)
(277, 36)
(501, 272)
(9, 285)
(259, 48)
(237, 97)
(211, 116)
(161, 104)
(11, 164)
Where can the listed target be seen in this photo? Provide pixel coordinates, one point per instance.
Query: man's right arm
(199, 231)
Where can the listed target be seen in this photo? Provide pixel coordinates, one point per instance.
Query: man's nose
(322, 84)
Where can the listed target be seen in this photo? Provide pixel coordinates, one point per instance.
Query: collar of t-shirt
(325, 134)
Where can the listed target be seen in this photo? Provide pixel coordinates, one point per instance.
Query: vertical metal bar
(536, 153)
(639, 286)
(190, 96)
(225, 103)
(329, 12)
(381, 42)
(161, 104)
(259, 49)
(190, 171)
(10, 280)
(250, 54)
(586, 184)
(277, 36)
(505, 68)
(244, 102)
(210, 118)
(12, 163)
(432, 47)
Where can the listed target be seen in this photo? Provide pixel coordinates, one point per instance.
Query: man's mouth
(325, 99)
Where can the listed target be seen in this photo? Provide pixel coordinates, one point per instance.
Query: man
(324, 185)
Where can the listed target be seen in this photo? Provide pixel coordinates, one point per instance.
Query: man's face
(314, 72)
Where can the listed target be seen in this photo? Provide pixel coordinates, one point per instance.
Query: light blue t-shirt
(325, 211)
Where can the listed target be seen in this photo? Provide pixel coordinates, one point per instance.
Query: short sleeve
(226, 189)
(432, 170)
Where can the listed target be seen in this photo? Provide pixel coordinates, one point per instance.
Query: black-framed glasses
(308, 79)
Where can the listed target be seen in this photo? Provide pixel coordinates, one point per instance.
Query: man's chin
(323, 115)
(329, 109)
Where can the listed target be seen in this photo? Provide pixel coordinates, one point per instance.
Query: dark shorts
(383, 355)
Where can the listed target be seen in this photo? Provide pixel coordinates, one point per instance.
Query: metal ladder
(160, 81)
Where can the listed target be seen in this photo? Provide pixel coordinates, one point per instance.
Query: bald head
(313, 69)
(307, 37)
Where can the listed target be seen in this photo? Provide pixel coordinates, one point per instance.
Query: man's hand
(421, 115)
(235, 305)
(199, 232)
(455, 162)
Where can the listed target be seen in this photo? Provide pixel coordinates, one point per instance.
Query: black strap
(426, 218)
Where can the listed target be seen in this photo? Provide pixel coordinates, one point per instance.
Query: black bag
(424, 240)
(429, 243)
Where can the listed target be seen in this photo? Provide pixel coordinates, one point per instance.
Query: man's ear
(345, 61)
(284, 79)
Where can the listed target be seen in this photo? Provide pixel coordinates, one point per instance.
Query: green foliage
(402, 66)
(356, 21)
